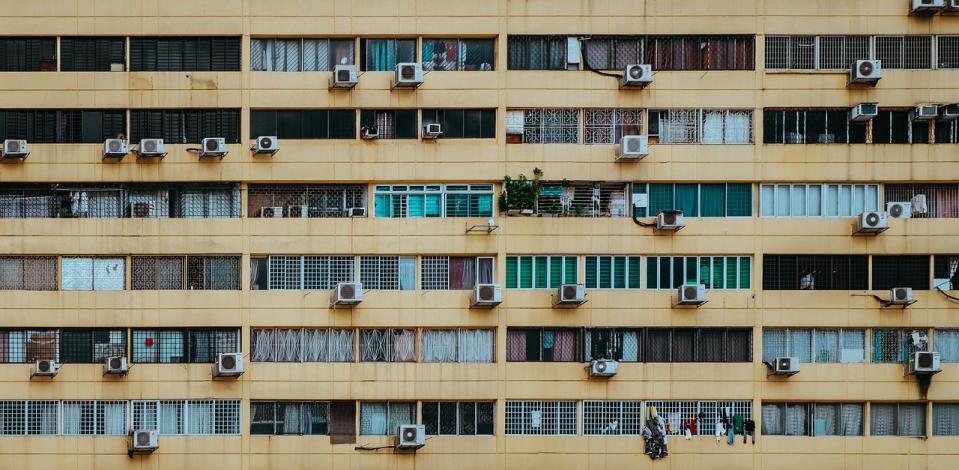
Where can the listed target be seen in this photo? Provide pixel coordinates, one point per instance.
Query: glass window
(381, 55)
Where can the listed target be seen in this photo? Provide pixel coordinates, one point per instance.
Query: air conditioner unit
(899, 210)
(151, 148)
(348, 293)
(487, 295)
(866, 71)
(302, 211)
(408, 75)
(603, 368)
(15, 149)
(410, 436)
(692, 294)
(571, 295)
(369, 133)
(637, 75)
(900, 296)
(344, 76)
(927, 7)
(115, 149)
(266, 144)
(926, 112)
(357, 212)
(213, 147)
(432, 131)
(228, 365)
(116, 365)
(143, 441)
(670, 220)
(952, 6)
(923, 363)
(863, 112)
(45, 368)
(269, 212)
(785, 366)
(949, 112)
(632, 147)
(872, 222)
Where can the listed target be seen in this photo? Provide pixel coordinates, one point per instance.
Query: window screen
(303, 124)
(463, 123)
(91, 346)
(889, 272)
(458, 418)
(23, 54)
(815, 272)
(186, 54)
(91, 54)
(185, 126)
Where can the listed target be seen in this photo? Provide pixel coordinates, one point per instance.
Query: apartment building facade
(368, 266)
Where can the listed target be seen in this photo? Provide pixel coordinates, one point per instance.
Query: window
(612, 272)
(536, 52)
(612, 52)
(947, 343)
(463, 123)
(945, 419)
(812, 419)
(541, 418)
(92, 54)
(388, 272)
(213, 272)
(895, 127)
(458, 54)
(28, 54)
(456, 272)
(279, 417)
(542, 126)
(188, 417)
(202, 272)
(620, 344)
(540, 272)
(389, 123)
(382, 55)
(698, 345)
(467, 418)
(156, 272)
(891, 345)
(811, 126)
(700, 52)
(945, 272)
(609, 417)
(889, 272)
(208, 202)
(459, 345)
(183, 346)
(898, 419)
(815, 272)
(817, 200)
(583, 199)
(28, 273)
(30, 417)
(313, 272)
(608, 126)
(434, 200)
(384, 418)
(299, 54)
(343, 422)
(947, 132)
(303, 124)
(184, 54)
(928, 200)
(185, 126)
(388, 345)
(73, 126)
(702, 126)
(839, 52)
(948, 52)
(716, 272)
(542, 344)
(304, 200)
(695, 200)
(302, 345)
(26, 346)
(701, 415)
(91, 346)
(94, 417)
(815, 345)
(93, 273)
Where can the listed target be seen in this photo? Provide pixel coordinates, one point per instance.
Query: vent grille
(872, 219)
(487, 293)
(407, 72)
(13, 147)
(212, 145)
(347, 291)
(150, 146)
(115, 363)
(866, 68)
(569, 292)
(689, 292)
(924, 361)
(115, 146)
(343, 76)
(228, 362)
(266, 142)
(902, 294)
(43, 366)
(143, 439)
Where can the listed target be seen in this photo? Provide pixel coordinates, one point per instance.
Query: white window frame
(823, 188)
(517, 412)
(183, 421)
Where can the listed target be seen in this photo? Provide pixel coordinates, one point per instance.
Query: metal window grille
(458, 54)
(94, 417)
(704, 414)
(898, 419)
(549, 126)
(612, 417)
(541, 418)
(815, 272)
(91, 346)
(302, 345)
(114, 201)
(536, 52)
(213, 272)
(42, 417)
(156, 272)
(889, 272)
(388, 345)
(458, 418)
(583, 199)
(179, 346)
(325, 272)
(285, 272)
(831, 345)
(945, 419)
(301, 418)
(304, 200)
(384, 418)
(892, 345)
(680, 126)
(621, 344)
(948, 52)
(25, 346)
(187, 417)
(928, 200)
(13, 419)
(435, 272)
(777, 52)
(715, 272)
(608, 126)
(209, 203)
(612, 52)
(144, 414)
(296, 54)
(28, 273)
(388, 272)
(698, 345)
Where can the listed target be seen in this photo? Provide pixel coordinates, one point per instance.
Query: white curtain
(800, 344)
(825, 420)
(263, 345)
(883, 422)
(475, 346)
(114, 417)
(144, 414)
(796, 415)
(947, 343)
(200, 416)
(407, 273)
(772, 419)
(767, 198)
(373, 418)
(774, 344)
(630, 346)
(71, 417)
(945, 419)
(713, 127)
(109, 273)
(852, 419)
(77, 273)
(853, 346)
(42, 417)
(738, 127)
(171, 417)
(439, 345)
(912, 419)
(827, 345)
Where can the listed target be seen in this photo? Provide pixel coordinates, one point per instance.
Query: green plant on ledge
(520, 194)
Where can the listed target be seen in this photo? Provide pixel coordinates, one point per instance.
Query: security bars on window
(187, 417)
(183, 346)
(705, 414)
(541, 418)
(839, 52)
(716, 272)
(309, 272)
(833, 345)
(460, 345)
(300, 54)
(299, 418)
(302, 345)
(94, 417)
(812, 419)
(817, 200)
(583, 199)
(304, 200)
(608, 126)
(388, 345)
(928, 200)
(28, 273)
(26, 346)
(458, 418)
(703, 126)
(616, 418)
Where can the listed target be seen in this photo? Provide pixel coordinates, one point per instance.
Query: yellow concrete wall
(480, 161)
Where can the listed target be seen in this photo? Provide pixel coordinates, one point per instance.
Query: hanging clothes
(654, 435)
(692, 425)
(738, 423)
(749, 427)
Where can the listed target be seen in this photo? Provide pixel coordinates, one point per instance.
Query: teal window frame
(541, 271)
(433, 200)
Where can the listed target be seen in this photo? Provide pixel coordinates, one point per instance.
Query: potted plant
(519, 195)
